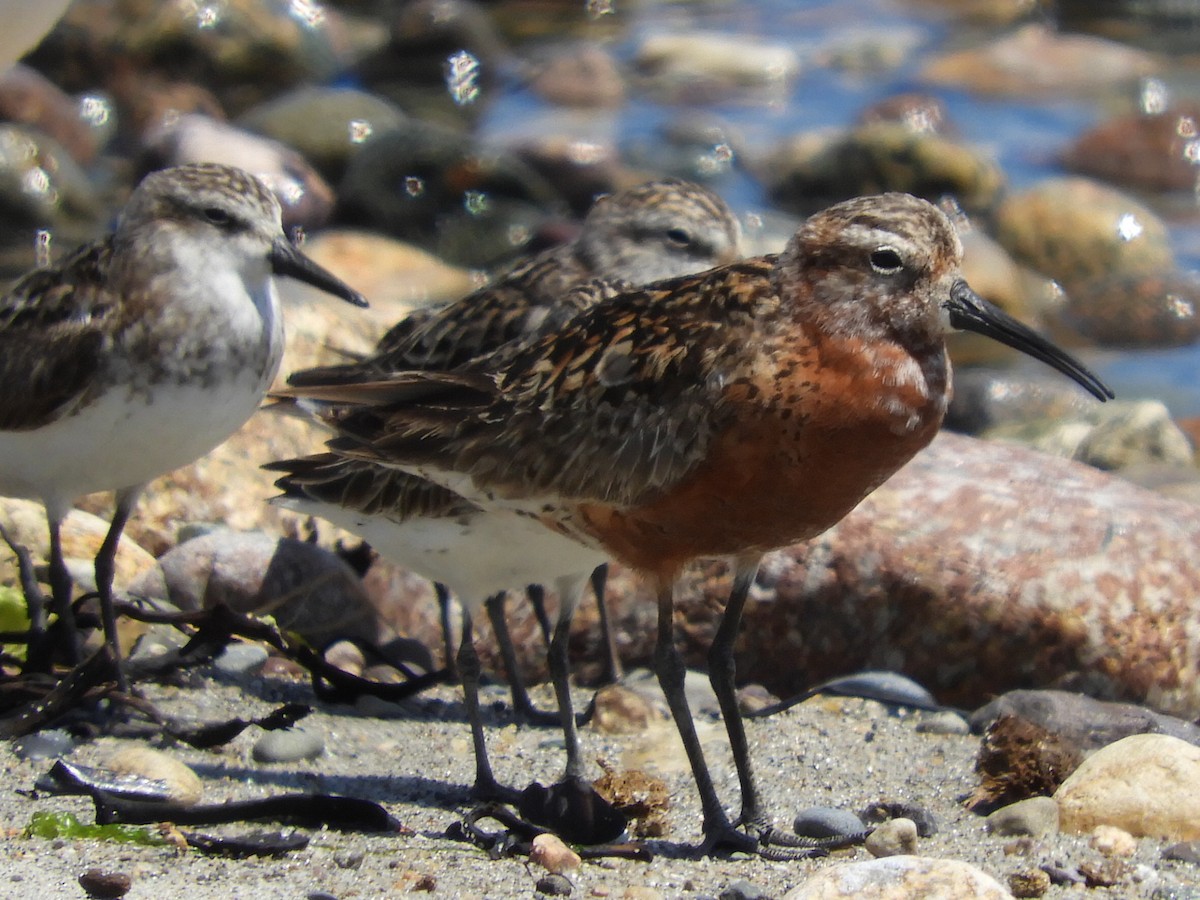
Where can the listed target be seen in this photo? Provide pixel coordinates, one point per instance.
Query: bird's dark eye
(886, 261)
(217, 216)
(679, 237)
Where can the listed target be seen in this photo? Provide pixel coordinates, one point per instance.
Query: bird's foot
(488, 790)
(759, 837)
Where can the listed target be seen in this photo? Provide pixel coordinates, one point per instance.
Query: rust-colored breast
(805, 447)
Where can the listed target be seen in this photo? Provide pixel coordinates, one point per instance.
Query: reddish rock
(304, 587)
(1035, 59)
(28, 97)
(1154, 152)
(585, 76)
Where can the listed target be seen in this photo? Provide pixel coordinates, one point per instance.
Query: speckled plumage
(725, 413)
(140, 352)
(649, 232)
(653, 231)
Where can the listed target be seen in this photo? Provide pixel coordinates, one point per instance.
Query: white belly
(218, 350)
(122, 441)
(475, 556)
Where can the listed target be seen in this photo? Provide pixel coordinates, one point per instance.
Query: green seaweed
(66, 825)
(13, 617)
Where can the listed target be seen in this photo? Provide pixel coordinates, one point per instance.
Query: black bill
(287, 259)
(970, 312)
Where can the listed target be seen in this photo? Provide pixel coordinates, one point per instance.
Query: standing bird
(722, 414)
(140, 352)
(650, 232)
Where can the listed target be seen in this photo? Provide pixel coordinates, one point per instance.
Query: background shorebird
(722, 414)
(140, 352)
(653, 231)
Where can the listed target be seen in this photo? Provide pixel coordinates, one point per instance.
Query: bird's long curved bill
(286, 259)
(970, 312)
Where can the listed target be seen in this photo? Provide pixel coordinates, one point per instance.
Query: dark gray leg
(106, 561)
(671, 672)
(721, 674)
(486, 787)
(448, 642)
(522, 705)
(613, 671)
(569, 592)
(537, 599)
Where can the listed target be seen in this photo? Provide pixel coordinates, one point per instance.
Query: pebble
(826, 821)
(587, 77)
(328, 125)
(1140, 310)
(289, 745)
(183, 785)
(549, 852)
(240, 657)
(82, 535)
(485, 212)
(251, 571)
(1036, 817)
(305, 197)
(1121, 435)
(49, 744)
(347, 656)
(258, 49)
(1153, 152)
(554, 885)
(28, 97)
(619, 710)
(1147, 784)
(1184, 851)
(895, 837)
(900, 877)
(1036, 59)
(105, 885)
(718, 64)
(1029, 883)
(1074, 229)
(882, 811)
(944, 722)
(744, 890)
(1112, 841)
(812, 170)
(641, 892)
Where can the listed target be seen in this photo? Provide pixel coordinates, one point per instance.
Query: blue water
(1025, 135)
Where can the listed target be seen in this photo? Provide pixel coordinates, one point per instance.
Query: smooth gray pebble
(826, 821)
(44, 745)
(239, 658)
(289, 745)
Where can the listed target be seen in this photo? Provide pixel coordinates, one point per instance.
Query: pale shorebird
(140, 352)
(653, 231)
(722, 414)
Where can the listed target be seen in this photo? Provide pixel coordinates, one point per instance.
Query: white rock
(182, 783)
(900, 877)
(549, 852)
(1146, 784)
(895, 837)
